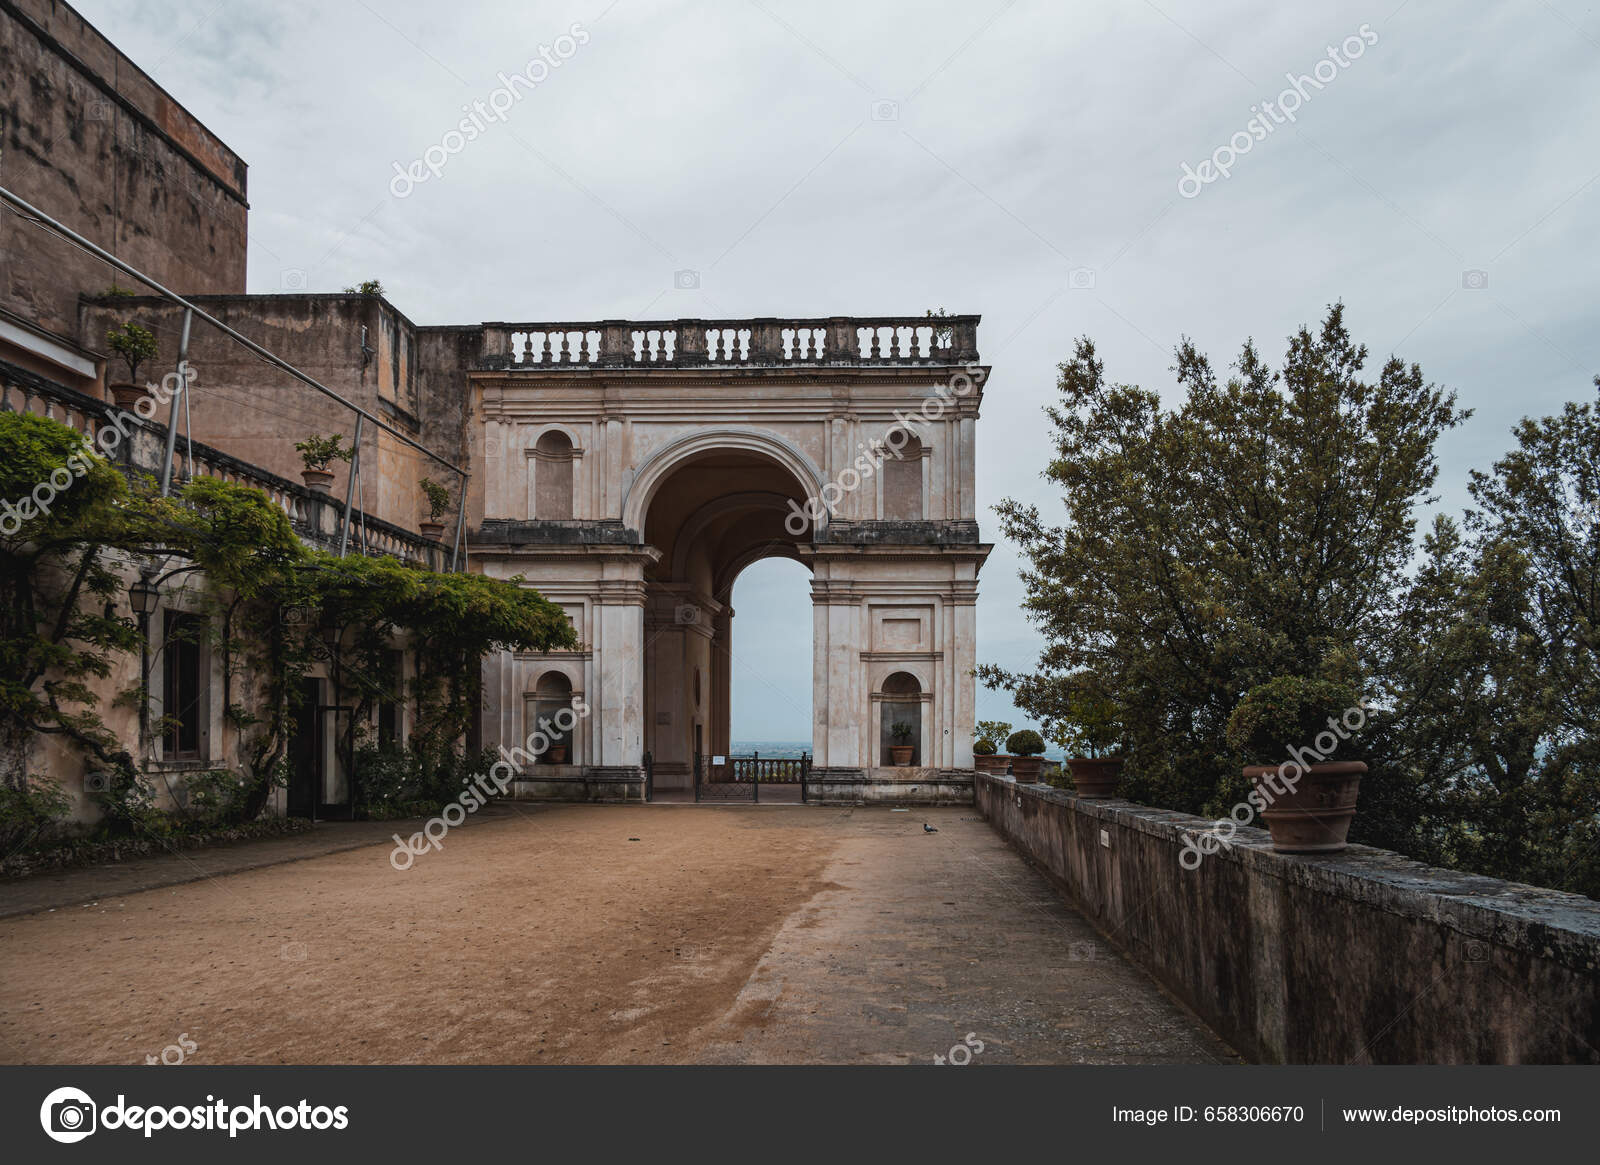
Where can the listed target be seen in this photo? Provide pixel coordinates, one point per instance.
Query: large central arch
(645, 483)
(712, 504)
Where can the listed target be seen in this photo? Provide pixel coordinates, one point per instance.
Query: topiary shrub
(1025, 742)
(984, 747)
(1292, 712)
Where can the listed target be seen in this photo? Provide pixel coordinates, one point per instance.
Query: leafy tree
(1258, 529)
(438, 498)
(1495, 740)
(134, 344)
(994, 731)
(78, 527)
(317, 452)
(71, 516)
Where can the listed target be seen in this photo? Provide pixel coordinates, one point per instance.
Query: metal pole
(44, 220)
(172, 413)
(461, 515)
(350, 488)
(188, 430)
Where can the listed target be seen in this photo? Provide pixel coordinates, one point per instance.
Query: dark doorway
(306, 752)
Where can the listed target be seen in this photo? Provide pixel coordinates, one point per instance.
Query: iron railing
(739, 778)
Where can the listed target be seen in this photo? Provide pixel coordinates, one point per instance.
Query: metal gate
(749, 778)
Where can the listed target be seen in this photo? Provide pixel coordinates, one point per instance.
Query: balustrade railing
(138, 446)
(900, 340)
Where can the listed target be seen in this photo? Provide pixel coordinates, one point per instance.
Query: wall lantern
(143, 596)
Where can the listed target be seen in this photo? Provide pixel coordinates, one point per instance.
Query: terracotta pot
(1026, 768)
(557, 753)
(1313, 817)
(431, 530)
(318, 481)
(901, 753)
(126, 396)
(995, 762)
(1095, 776)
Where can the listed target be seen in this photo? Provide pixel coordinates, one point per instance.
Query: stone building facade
(628, 470)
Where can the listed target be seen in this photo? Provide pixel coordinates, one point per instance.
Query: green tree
(67, 515)
(1495, 740)
(1258, 529)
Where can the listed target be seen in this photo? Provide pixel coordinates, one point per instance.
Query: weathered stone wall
(90, 139)
(1358, 957)
(360, 346)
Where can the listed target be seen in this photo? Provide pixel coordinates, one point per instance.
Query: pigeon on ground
(926, 828)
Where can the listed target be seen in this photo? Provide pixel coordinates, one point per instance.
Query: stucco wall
(1359, 957)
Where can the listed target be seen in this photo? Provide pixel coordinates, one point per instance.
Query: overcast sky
(825, 158)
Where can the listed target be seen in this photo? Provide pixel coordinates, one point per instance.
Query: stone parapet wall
(1358, 957)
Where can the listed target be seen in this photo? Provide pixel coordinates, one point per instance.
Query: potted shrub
(556, 754)
(1309, 799)
(986, 754)
(438, 498)
(902, 747)
(1089, 731)
(986, 757)
(1025, 747)
(135, 345)
(318, 453)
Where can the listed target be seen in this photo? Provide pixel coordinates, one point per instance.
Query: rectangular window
(389, 707)
(182, 689)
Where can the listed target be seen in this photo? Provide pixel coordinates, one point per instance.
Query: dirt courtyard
(599, 934)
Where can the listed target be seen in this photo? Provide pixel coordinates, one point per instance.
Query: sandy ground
(596, 934)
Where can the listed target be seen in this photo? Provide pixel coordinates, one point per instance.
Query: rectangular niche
(902, 628)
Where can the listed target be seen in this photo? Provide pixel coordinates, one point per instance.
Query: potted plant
(902, 747)
(1025, 747)
(1089, 731)
(438, 498)
(986, 754)
(1308, 800)
(135, 345)
(317, 453)
(986, 758)
(556, 754)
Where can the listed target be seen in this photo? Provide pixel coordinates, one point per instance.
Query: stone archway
(717, 508)
(688, 448)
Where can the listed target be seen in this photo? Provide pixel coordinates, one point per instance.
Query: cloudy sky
(1016, 158)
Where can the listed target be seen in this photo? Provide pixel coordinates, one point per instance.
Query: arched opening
(899, 717)
(770, 711)
(712, 516)
(902, 483)
(549, 711)
(552, 476)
